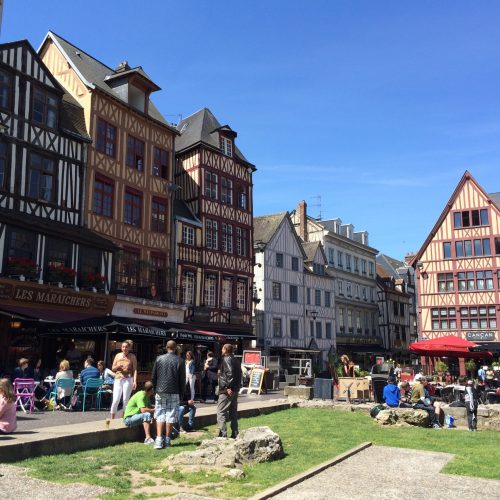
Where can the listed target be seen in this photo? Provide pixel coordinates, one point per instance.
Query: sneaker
(437, 426)
(149, 441)
(158, 443)
(167, 442)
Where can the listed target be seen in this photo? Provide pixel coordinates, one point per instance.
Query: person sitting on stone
(421, 402)
(391, 394)
(404, 388)
(140, 411)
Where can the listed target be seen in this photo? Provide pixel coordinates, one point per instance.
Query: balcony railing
(144, 289)
(189, 253)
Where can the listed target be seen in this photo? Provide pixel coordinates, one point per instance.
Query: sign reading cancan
(480, 336)
(48, 296)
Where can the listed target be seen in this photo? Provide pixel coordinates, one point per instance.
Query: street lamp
(313, 314)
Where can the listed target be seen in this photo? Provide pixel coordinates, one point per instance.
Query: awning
(47, 315)
(293, 349)
(486, 347)
(446, 346)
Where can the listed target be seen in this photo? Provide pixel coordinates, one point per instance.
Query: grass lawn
(309, 436)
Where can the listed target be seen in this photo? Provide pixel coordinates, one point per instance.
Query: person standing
(169, 379)
(125, 369)
(229, 386)
(190, 373)
(471, 398)
(209, 377)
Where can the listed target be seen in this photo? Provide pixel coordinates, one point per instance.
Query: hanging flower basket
(61, 274)
(17, 266)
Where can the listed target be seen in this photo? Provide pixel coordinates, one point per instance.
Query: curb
(285, 485)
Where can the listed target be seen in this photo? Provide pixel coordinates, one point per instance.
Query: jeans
(227, 410)
(137, 419)
(429, 409)
(190, 410)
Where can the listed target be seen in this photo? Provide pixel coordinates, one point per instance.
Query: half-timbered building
(215, 182)
(458, 267)
(47, 257)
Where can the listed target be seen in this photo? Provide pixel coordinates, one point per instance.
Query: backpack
(376, 410)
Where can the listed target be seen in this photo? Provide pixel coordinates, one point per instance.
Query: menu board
(256, 379)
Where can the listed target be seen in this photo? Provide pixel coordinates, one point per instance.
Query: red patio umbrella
(447, 346)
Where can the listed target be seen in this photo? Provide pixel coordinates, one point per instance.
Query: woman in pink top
(8, 421)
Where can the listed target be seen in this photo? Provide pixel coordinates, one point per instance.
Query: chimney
(302, 215)
(123, 66)
(409, 257)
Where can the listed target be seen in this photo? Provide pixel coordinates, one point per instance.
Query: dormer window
(45, 108)
(226, 146)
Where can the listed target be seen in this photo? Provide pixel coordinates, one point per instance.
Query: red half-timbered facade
(216, 263)
(458, 267)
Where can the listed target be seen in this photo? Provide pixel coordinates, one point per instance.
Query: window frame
(136, 153)
(46, 96)
(42, 173)
(130, 196)
(106, 198)
(105, 143)
(157, 224)
(160, 162)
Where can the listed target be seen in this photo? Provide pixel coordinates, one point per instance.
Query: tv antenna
(317, 205)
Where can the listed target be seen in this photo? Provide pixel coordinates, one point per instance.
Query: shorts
(137, 419)
(166, 408)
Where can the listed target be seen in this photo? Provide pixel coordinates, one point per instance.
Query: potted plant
(441, 368)
(93, 280)
(470, 366)
(61, 274)
(22, 266)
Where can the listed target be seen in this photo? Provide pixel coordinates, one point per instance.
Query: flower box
(17, 266)
(93, 280)
(61, 274)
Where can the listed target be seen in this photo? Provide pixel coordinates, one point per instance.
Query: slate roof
(202, 126)
(495, 198)
(94, 72)
(73, 118)
(182, 211)
(265, 227)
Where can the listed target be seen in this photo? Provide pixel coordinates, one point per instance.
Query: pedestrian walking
(229, 386)
(190, 373)
(169, 379)
(125, 369)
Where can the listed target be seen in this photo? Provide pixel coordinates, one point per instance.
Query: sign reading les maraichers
(44, 295)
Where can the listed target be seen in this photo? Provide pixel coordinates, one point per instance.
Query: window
(478, 247)
(341, 287)
(457, 220)
(468, 248)
(22, 244)
(327, 299)
(211, 181)
(276, 327)
(294, 293)
(347, 261)
(486, 246)
(58, 253)
(401, 309)
(497, 246)
(341, 320)
(105, 138)
(3, 162)
(349, 320)
(340, 258)
(480, 280)
(363, 266)
(41, 178)
(294, 328)
(158, 272)
(187, 235)
(371, 268)
(328, 330)
(45, 108)
(159, 216)
(227, 238)
(308, 296)
(311, 328)
(227, 286)
(211, 234)
(226, 146)
(132, 208)
(295, 264)
(135, 153)
(279, 260)
(90, 262)
(445, 282)
(103, 196)
(465, 219)
(484, 216)
(276, 291)
(356, 264)
(447, 250)
(5, 89)
(395, 308)
(367, 323)
(348, 289)
(188, 287)
(364, 294)
(319, 330)
(241, 197)
(210, 290)
(160, 163)
(356, 291)
(241, 241)
(358, 322)
(459, 249)
(129, 268)
(226, 192)
(317, 297)
(241, 294)
(478, 317)
(331, 256)
(470, 218)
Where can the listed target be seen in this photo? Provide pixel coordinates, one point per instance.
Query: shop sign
(39, 294)
(252, 358)
(358, 340)
(480, 336)
(150, 312)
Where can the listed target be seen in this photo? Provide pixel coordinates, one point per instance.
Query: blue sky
(377, 107)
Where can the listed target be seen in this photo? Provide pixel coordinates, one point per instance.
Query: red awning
(447, 346)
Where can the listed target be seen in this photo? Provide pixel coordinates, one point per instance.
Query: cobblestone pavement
(14, 484)
(392, 473)
(37, 420)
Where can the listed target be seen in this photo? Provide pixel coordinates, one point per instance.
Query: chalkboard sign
(256, 379)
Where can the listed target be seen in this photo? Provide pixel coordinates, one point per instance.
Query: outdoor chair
(24, 390)
(447, 394)
(63, 384)
(93, 389)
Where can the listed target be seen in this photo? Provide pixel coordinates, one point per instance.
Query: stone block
(403, 416)
(298, 392)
